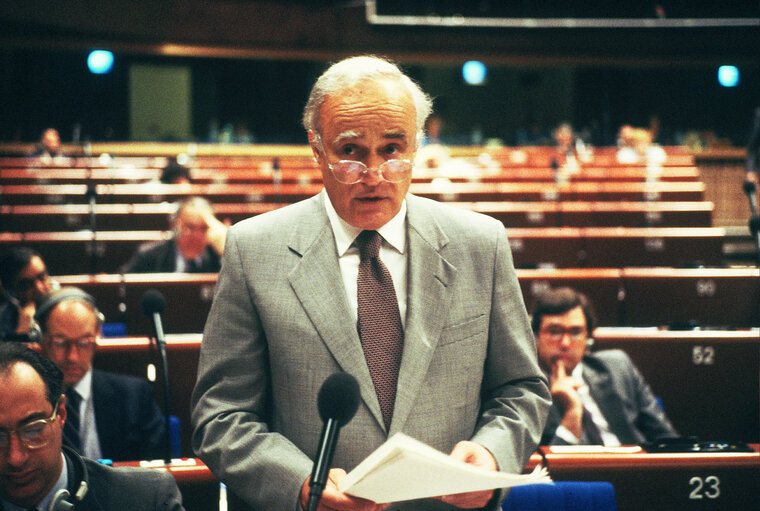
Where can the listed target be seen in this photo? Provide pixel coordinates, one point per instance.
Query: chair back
(562, 496)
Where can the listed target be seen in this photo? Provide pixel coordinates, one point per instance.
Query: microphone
(337, 401)
(153, 305)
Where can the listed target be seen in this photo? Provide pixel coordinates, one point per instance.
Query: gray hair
(350, 71)
(194, 202)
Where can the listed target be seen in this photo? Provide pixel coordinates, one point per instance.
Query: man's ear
(62, 409)
(316, 146)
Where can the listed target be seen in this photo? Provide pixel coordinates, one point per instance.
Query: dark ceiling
(326, 29)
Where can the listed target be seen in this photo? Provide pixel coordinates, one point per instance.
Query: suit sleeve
(230, 403)
(515, 393)
(651, 420)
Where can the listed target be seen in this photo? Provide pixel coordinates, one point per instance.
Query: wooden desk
(286, 192)
(146, 216)
(119, 297)
(665, 482)
(708, 380)
(655, 482)
(602, 286)
(605, 247)
(307, 172)
(658, 246)
(133, 355)
(728, 297)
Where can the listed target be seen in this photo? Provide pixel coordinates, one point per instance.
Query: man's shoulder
(123, 482)
(122, 381)
(613, 358)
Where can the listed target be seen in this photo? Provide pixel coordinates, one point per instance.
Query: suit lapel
(429, 276)
(318, 284)
(603, 392)
(103, 399)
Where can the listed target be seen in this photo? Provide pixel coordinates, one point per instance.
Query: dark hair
(174, 171)
(12, 262)
(12, 353)
(559, 301)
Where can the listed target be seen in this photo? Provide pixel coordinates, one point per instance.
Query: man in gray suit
(36, 472)
(288, 303)
(599, 398)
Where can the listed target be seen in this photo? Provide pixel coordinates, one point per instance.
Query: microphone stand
(161, 345)
(91, 195)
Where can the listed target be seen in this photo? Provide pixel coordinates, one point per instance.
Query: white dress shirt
(88, 430)
(609, 438)
(392, 253)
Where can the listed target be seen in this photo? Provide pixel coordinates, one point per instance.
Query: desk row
(146, 216)
(74, 252)
(265, 172)
(442, 191)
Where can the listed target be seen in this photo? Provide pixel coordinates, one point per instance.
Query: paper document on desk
(404, 469)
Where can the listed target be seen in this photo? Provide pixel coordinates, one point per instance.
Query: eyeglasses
(33, 435)
(350, 172)
(23, 285)
(556, 333)
(86, 343)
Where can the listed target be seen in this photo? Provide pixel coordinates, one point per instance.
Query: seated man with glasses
(38, 472)
(25, 280)
(598, 398)
(111, 415)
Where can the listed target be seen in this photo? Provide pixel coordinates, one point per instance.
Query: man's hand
(217, 233)
(474, 454)
(564, 390)
(334, 499)
(26, 317)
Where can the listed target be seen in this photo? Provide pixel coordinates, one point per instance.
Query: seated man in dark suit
(117, 414)
(598, 398)
(197, 245)
(37, 472)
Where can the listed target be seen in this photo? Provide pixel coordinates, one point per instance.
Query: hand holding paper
(405, 469)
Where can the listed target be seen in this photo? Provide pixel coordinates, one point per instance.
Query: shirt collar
(84, 386)
(393, 232)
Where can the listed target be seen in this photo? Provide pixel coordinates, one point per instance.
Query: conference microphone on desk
(154, 305)
(337, 401)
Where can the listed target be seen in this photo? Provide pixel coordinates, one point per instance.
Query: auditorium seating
(68, 252)
(446, 192)
(145, 216)
(716, 401)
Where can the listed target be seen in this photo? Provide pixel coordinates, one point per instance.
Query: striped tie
(71, 427)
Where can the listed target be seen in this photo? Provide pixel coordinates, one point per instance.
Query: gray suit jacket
(623, 397)
(280, 325)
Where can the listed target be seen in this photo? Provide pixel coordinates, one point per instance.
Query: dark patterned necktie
(590, 430)
(379, 322)
(71, 427)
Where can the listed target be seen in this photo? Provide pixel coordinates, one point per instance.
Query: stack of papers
(404, 469)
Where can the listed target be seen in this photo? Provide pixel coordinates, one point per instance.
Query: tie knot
(72, 396)
(368, 243)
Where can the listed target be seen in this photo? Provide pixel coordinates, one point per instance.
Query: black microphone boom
(153, 305)
(337, 401)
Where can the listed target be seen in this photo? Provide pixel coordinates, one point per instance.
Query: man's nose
(17, 452)
(373, 176)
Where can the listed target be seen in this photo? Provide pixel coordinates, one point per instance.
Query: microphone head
(153, 301)
(338, 398)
